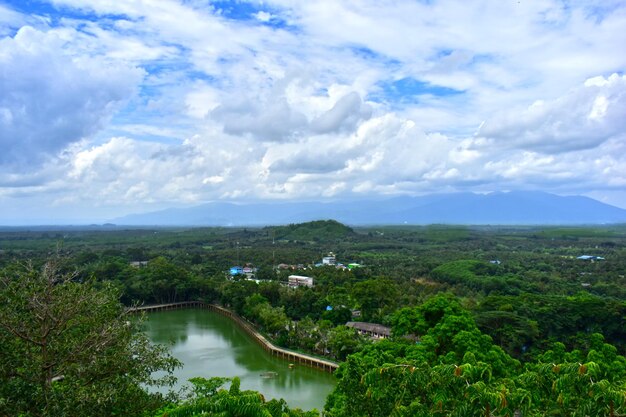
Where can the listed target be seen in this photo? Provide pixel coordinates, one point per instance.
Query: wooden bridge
(286, 354)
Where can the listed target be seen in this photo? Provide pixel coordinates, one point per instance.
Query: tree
(167, 281)
(69, 348)
(374, 296)
(304, 334)
(208, 400)
(343, 341)
(338, 315)
(273, 319)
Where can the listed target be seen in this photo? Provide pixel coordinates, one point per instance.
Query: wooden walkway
(286, 354)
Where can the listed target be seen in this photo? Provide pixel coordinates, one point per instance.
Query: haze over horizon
(111, 108)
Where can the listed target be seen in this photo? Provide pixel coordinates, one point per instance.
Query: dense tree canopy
(455, 370)
(484, 319)
(68, 348)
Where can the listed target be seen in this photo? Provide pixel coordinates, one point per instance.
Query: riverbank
(210, 344)
(286, 354)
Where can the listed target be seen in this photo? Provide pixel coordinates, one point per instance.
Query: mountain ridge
(498, 208)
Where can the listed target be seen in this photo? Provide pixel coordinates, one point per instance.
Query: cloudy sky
(110, 107)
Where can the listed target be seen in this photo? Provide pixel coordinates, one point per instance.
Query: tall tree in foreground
(69, 348)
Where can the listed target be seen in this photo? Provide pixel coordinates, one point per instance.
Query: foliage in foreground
(455, 370)
(68, 348)
(470, 389)
(208, 399)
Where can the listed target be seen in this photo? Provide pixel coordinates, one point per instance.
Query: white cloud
(172, 102)
(584, 118)
(346, 114)
(51, 99)
(201, 100)
(268, 120)
(263, 16)
(10, 19)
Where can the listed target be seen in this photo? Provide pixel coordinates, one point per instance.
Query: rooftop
(370, 327)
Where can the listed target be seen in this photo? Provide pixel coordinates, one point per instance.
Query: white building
(300, 281)
(329, 259)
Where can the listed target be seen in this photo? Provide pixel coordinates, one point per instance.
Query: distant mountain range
(499, 208)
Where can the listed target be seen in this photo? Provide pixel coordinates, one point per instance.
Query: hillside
(320, 230)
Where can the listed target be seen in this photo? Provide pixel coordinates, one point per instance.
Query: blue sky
(108, 108)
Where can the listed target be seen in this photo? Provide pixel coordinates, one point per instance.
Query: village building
(300, 281)
(248, 270)
(236, 270)
(329, 259)
(290, 267)
(373, 330)
(590, 258)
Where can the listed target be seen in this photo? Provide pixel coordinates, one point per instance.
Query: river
(210, 344)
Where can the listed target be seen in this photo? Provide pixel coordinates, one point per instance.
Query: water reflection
(212, 345)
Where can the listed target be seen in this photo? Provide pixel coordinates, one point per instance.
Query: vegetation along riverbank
(485, 321)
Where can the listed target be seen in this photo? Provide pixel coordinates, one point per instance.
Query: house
(236, 270)
(590, 258)
(329, 259)
(300, 281)
(139, 264)
(373, 330)
(290, 267)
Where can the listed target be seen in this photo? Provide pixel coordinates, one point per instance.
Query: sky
(110, 107)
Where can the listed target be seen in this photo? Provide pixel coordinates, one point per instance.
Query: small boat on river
(269, 374)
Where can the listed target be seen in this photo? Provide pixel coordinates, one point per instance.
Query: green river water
(209, 345)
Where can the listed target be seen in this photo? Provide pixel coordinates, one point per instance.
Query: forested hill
(320, 230)
(504, 208)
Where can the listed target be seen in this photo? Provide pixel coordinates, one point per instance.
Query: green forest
(485, 321)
